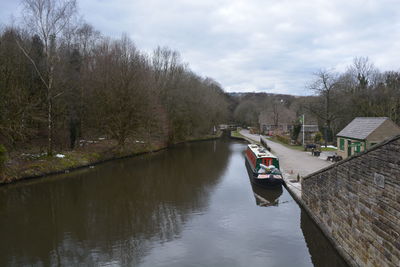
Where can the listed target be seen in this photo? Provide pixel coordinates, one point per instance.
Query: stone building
(363, 133)
(276, 123)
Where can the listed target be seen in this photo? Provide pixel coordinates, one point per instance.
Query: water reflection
(266, 197)
(111, 213)
(320, 248)
(191, 205)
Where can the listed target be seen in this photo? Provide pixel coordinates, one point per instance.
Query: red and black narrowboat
(263, 167)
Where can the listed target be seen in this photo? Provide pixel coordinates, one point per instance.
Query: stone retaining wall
(356, 202)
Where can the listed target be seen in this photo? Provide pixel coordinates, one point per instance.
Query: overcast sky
(269, 46)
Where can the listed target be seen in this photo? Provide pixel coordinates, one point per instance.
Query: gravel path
(292, 161)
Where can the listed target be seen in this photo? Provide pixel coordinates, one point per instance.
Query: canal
(190, 205)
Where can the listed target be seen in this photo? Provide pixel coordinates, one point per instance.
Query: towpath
(292, 162)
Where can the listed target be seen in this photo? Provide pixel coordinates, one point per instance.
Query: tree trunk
(49, 125)
(50, 112)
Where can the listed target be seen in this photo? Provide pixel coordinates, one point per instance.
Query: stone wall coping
(375, 147)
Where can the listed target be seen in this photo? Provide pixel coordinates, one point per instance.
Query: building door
(348, 148)
(357, 147)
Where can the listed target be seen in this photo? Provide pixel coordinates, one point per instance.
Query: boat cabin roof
(260, 151)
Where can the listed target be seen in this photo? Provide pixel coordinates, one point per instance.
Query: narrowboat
(263, 167)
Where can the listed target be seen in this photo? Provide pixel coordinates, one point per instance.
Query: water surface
(191, 205)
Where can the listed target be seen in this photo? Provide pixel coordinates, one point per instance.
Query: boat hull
(265, 182)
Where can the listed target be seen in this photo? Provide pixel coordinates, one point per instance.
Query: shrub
(296, 131)
(318, 137)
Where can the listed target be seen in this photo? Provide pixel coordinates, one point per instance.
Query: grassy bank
(25, 165)
(236, 134)
(205, 137)
(295, 147)
(328, 149)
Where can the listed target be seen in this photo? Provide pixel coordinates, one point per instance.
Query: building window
(341, 144)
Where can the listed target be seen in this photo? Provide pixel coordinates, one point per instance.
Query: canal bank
(355, 203)
(89, 154)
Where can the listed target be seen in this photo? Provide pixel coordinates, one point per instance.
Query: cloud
(256, 45)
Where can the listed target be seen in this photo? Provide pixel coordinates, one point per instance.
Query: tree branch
(33, 63)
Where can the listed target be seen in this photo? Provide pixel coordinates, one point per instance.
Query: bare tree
(47, 19)
(324, 85)
(19, 99)
(246, 113)
(120, 101)
(276, 113)
(363, 72)
(365, 79)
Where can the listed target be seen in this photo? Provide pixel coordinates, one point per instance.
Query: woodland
(66, 87)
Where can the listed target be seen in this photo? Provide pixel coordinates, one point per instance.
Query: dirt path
(292, 161)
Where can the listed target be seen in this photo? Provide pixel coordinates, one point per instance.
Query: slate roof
(361, 127)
